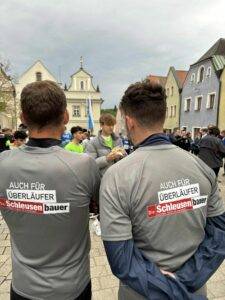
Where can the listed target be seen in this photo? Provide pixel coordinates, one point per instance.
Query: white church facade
(80, 89)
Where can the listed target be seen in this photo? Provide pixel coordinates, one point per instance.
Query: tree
(8, 102)
(109, 111)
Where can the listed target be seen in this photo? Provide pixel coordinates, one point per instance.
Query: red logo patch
(169, 208)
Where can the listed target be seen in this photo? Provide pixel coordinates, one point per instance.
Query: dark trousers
(85, 295)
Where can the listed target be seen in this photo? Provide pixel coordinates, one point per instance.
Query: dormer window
(201, 74)
(38, 76)
(82, 85)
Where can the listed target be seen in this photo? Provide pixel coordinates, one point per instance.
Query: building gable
(81, 81)
(201, 82)
(217, 49)
(32, 72)
(173, 88)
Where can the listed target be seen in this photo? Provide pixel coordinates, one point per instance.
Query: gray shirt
(44, 199)
(159, 196)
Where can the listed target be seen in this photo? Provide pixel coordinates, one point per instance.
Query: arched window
(208, 73)
(38, 76)
(192, 77)
(81, 85)
(201, 74)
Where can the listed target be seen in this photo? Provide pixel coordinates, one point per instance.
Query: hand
(113, 156)
(168, 273)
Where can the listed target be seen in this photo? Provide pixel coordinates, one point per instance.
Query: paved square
(104, 284)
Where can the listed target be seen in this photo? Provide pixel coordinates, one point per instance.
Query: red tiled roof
(181, 75)
(157, 79)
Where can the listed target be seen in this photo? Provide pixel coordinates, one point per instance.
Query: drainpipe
(218, 105)
(180, 96)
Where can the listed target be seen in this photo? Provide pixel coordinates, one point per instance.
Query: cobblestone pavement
(104, 284)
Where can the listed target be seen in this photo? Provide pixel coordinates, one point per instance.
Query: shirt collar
(43, 142)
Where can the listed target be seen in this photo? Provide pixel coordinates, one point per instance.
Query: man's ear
(129, 122)
(66, 117)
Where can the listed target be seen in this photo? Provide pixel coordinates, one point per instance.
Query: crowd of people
(10, 140)
(161, 214)
(209, 145)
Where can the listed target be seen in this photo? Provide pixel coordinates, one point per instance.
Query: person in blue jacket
(163, 224)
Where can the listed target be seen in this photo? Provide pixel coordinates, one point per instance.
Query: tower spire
(81, 62)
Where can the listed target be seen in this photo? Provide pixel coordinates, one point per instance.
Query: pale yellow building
(173, 87)
(81, 87)
(80, 90)
(221, 115)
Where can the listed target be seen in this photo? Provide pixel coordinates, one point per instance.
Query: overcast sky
(121, 41)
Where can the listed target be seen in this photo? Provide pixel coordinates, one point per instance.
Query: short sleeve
(215, 202)
(114, 211)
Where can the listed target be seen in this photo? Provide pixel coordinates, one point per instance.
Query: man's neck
(140, 136)
(75, 141)
(45, 134)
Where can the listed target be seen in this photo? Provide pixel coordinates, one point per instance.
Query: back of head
(204, 130)
(213, 130)
(146, 102)
(43, 104)
(19, 134)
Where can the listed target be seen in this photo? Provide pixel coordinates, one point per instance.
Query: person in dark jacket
(212, 149)
(195, 144)
(181, 139)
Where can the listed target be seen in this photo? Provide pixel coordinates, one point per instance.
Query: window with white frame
(76, 111)
(210, 101)
(198, 102)
(174, 110)
(201, 74)
(187, 104)
(192, 77)
(167, 91)
(171, 111)
(171, 90)
(82, 85)
(209, 71)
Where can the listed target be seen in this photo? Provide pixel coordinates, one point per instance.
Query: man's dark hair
(204, 129)
(146, 102)
(43, 103)
(213, 130)
(76, 129)
(20, 135)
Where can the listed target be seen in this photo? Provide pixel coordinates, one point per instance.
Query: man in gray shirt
(45, 193)
(154, 220)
